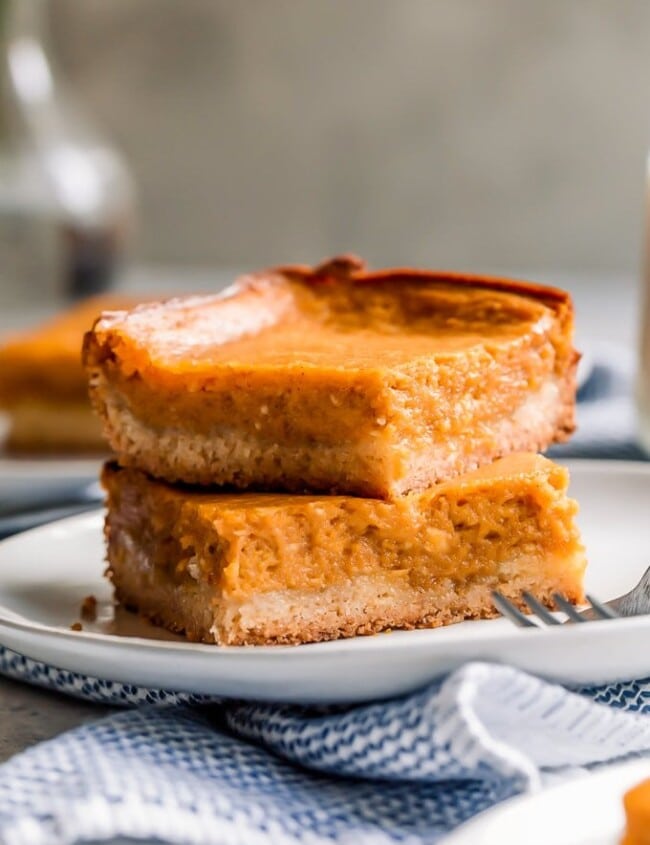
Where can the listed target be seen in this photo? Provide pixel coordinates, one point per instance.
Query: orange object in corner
(637, 811)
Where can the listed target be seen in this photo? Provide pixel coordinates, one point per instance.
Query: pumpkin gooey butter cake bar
(325, 452)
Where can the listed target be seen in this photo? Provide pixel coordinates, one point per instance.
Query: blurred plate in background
(26, 480)
(586, 811)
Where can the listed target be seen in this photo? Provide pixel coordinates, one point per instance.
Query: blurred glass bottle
(66, 196)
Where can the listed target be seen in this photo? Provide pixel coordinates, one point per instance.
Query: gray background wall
(496, 134)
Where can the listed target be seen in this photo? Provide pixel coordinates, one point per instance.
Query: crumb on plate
(89, 608)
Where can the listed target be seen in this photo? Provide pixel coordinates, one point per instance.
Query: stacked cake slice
(324, 452)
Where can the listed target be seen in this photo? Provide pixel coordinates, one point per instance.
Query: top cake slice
(335, 379)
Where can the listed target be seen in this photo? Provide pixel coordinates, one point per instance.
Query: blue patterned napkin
(185, 769)
(607, 424)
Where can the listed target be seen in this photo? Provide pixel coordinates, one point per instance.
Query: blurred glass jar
(66, 196)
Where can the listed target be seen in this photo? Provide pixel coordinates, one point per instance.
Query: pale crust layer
(336, 379)
(361, 607)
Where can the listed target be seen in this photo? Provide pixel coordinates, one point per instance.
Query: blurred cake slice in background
(43, 388)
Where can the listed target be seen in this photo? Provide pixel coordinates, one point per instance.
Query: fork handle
(631, 604)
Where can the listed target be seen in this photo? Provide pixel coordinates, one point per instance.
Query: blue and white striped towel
(180, 769)
(607, 425)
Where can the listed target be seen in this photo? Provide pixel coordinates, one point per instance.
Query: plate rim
(30, 466)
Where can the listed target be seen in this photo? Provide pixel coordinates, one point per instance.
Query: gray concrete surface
(29, 715)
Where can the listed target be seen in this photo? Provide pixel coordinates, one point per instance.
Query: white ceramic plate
(45, 573)
(585, 811)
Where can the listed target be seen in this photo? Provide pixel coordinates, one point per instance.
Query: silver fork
(634, 603)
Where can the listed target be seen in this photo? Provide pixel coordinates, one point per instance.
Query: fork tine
(602, 609)
(507, 609)
(568, 608)
(538, 608)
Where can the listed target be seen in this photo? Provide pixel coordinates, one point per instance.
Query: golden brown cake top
(45, 360)
(336, 316)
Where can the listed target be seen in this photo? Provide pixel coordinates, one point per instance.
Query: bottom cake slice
(255, 568)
